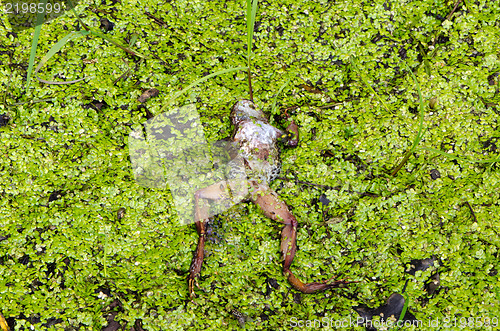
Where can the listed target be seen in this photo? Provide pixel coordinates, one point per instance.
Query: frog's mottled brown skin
(257, 142)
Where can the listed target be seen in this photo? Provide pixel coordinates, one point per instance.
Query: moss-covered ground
(69, 262)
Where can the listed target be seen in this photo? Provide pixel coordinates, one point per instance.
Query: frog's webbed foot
(217, 191)
(274, 208)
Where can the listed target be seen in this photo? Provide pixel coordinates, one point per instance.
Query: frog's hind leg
(223, 190)
(274, 208)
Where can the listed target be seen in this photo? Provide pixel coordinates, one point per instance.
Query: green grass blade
(199, 81)
(273, 108)
(249, 24)
(34, 43)
(105, 260)
(352, 59)
(420, 132)
(133, 39)
(117, 44)
(103, 36)
(72, 35)
(60, 44)
(403, 312)
(454, 157)
(251, 13)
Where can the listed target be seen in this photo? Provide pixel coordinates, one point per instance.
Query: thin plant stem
(273, 108)
(201, 80)
(420, 132)
(250, 90)
(454, 157)
(354, 65)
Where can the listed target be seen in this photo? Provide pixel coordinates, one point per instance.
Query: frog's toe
(191, 283)
(340, 282)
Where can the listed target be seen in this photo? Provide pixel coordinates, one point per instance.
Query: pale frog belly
(258, 149)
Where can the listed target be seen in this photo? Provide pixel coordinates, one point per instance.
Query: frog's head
(245, 110)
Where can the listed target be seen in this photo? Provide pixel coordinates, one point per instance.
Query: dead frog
(257, 142)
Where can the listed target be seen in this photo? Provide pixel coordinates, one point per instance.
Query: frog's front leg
(223, 190)
(274, 208)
